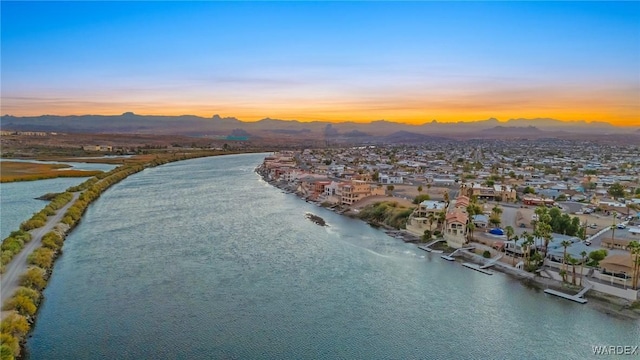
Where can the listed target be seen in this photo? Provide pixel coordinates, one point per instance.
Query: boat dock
(477, 268)
(577, 297)
(428, 248)
(450, 256)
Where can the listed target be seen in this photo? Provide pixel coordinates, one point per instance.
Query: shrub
(42, 257)
(30, 293)
(10, 346)
(33, 278)
(22, 304)
(486, 254)
(15, 325)
(52, 240)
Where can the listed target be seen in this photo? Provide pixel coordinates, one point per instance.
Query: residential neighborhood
(561, 210)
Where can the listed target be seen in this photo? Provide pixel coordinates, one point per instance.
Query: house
(493, 193)
(390, 179)
(617, 269)
(455, 231)
(355, 190)
(480, 221)
(425, 216)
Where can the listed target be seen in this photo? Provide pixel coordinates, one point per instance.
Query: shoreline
(89, 191)
(604, 303)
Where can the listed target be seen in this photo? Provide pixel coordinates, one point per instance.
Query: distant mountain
(192, 125)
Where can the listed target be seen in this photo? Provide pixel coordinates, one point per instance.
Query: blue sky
(402, 61)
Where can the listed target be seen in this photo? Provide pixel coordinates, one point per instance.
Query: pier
(428, 248)
(577, 297)
(450, 256)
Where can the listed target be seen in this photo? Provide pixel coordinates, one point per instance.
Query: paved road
(11, 277)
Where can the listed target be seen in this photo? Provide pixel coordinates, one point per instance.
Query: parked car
(587, 242)
(621, 226)
(593, 226)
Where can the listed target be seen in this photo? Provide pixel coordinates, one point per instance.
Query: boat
(447, 257)
(316, 219)
(425, 248)
(437, 251)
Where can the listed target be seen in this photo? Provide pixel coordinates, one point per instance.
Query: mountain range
(191, 125)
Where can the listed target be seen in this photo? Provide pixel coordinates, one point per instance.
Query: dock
(450, 256)
(477, 268)
(577, 297)
(428, 248)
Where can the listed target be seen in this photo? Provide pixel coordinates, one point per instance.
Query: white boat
(447, 257)
(437, 251)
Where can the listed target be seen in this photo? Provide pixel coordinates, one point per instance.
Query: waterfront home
(355, 190)
(455, 232)
(617, 269)
(425, 216)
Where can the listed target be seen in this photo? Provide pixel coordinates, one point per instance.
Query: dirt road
(9, 281)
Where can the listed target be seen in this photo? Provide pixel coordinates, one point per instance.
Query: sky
(410, 62)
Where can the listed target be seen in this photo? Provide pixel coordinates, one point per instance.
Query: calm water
(202, 260)
(18, 203)
(17, 199)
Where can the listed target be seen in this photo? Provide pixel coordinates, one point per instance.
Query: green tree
(634, 251)
(583, 256)
(420, 198)
(616, 190)
(596, 256)
(390, 188)
(419, 189)
(573, 261)
(565, 244)
(509, 233)
(470, 228)
(529, 190)
(431, 218)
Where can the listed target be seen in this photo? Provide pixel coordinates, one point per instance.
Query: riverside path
(9, 281)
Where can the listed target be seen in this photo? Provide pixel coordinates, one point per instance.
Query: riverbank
(614, 306)
(30, 281)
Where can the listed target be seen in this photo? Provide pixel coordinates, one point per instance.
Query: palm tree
(431, 218)
(442, 216)
(634, 250)
(509, 233)
(526, 246)
(565, 244)
(583, 254)
(613, 227)
(419, 189)
(497, 210)
(563, 273)
(446, 197)
(470, 227)
(573, 261)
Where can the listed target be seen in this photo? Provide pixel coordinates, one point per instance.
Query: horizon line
(417, 124)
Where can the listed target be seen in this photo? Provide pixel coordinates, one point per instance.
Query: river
(17, 199)
(201, 259)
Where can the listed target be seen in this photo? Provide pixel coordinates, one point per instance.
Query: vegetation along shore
(20, 310)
